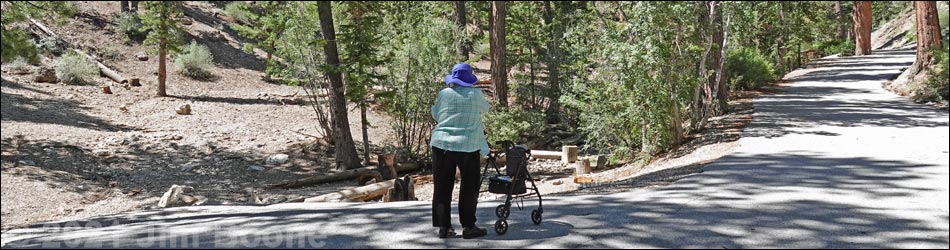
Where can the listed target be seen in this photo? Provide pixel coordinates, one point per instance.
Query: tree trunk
(499, 69)
(162, 53)
(862, 28)
(346, 156)
(365, 124)
(464, 47)
(928, 34)
(722, 93)
(553, 65)
(123, 6)
(840, 30)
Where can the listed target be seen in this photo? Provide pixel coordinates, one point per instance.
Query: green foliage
(837, 46)
(16, 42)
(51, 46)
(884, 11)
(110, 54)
(194, 61)
(262, 22)
(20, 66)
(360, 39)
(513, 124)
(937, 78)
(422, 49)
(240, 11)
(129, 26)
(944, 14)
(747, 69)
(73, 68)
(631, 91)
(162, 21)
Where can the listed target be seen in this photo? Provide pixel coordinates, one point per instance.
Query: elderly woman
(458, 140)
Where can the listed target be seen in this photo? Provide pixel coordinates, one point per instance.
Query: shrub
(20, 66)
(52, 46)
(16, 43)
(110, 54)
(75, 69)
(239, 11)
(746, 69)
(843, 47)
(937, 78)
(130, 26)
(194, 61)
(512, 124)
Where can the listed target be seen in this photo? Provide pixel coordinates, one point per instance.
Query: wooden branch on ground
(543, 154)
(351, 174)
(363, 193)
(102, 68)
(106, 71)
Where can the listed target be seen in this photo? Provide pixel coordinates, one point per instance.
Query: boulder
(183, 110)
(277, 159)
(142, 56)
(177, 196)
(47, 75)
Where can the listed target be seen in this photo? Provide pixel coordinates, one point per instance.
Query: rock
(176, 196)
(135, 82)
(188, 167)
(45, 75)
(601, 161)
(255, 168)
(184, 110)
(141, 56)
(188, 199)
(277, 159)
(186, 21)
(106, 90)
(102, 153)
(175, 137)
(558, 182)
(124, 108)
(27, 163)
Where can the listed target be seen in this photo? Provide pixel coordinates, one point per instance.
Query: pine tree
(162, 21)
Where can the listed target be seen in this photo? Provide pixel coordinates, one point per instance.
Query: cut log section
(569, 154)
(363, 193)
(582, 167)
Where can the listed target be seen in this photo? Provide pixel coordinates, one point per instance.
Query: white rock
(176, 196)
(27, 163)
(255, 168)
(277, 159)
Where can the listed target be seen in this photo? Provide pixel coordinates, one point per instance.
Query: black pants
(443, 172)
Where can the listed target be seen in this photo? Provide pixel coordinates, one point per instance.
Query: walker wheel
(501, 227)
(502, 211)
(536, 217)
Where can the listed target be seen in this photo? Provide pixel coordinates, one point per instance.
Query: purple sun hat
(461, 75)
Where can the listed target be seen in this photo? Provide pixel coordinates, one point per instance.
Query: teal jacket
(458, 113)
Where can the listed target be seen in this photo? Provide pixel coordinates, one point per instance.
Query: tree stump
(569, 154)
(582, 167)
(387, 166)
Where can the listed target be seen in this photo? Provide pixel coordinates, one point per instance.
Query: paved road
(833, 162)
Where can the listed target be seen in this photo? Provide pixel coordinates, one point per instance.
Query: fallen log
(106, 71)
(342, 176)
(542, 154)
(363, 193)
